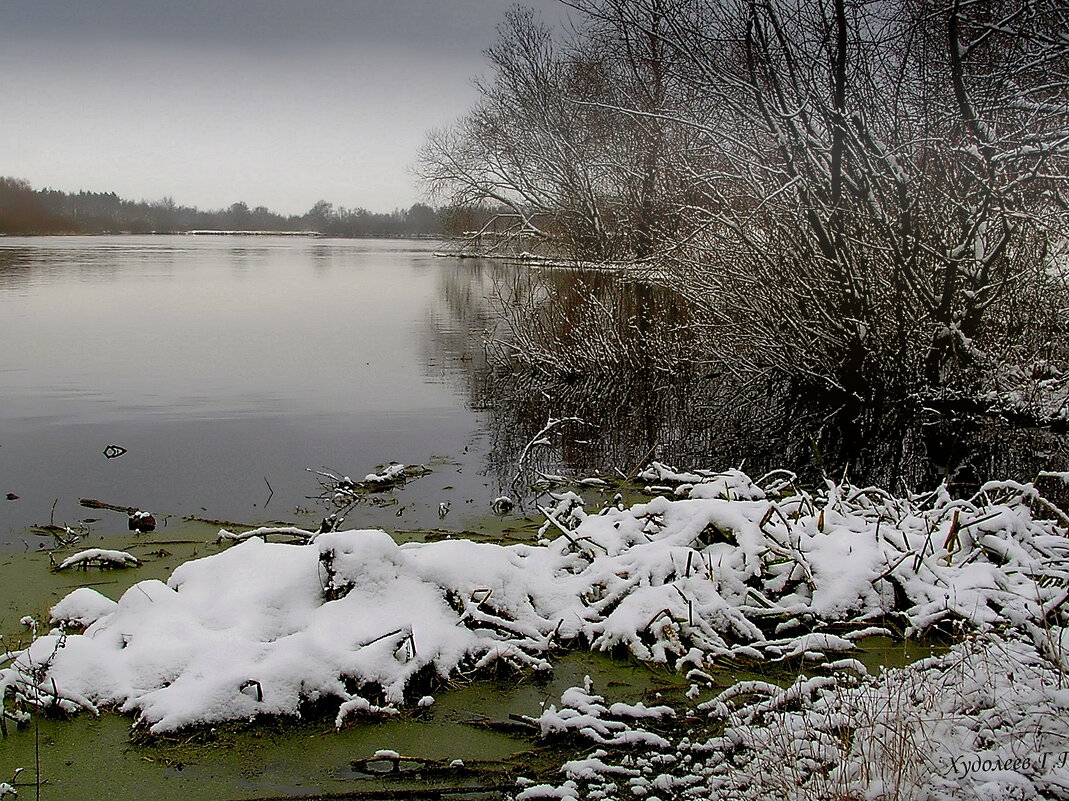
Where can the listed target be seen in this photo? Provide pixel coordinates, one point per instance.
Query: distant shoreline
(213, 232)
(238, 232)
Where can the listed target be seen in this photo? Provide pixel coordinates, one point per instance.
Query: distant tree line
(25, 210)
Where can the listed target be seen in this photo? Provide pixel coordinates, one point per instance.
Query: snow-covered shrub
(732, 572)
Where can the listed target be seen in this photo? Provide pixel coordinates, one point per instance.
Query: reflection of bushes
(634, 362)
(574, 323)
(701, 417)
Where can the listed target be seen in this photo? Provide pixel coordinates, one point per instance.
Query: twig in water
(641, 462)
(538, 439)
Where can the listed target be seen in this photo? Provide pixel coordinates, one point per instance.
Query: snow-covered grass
(1037, 391)
(989, 719)
(721, 568)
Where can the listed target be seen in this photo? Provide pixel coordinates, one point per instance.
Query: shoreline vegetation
(25, 211)
(712, 571)
(862, 219)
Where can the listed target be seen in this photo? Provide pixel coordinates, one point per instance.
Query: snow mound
(82, 607)
(734, 570)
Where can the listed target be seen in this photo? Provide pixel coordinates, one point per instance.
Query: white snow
(100, 556)
(264, 531)
(724, 568)
(392, 472)
(586, 714)
(989, 719)
(82, 607)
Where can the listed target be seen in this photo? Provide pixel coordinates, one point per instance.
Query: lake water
(229, 366)
(226, 366)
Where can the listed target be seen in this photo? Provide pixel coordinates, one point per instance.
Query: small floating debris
(386, 760)
(502, 505)
(141, 522)
(100, 557)
(114, 451)
(342, 491)
(64, 536)
(330, 523)
(391, 473)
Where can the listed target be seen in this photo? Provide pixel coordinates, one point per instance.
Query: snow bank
(82, 607)
(737, 569)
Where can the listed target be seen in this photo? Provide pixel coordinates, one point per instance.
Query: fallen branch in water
(101, 557)
(93, 503)
(138, 521)
(344, 492)
(264, 531)
(540, 439)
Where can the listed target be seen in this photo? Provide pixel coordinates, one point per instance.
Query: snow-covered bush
(725, 569)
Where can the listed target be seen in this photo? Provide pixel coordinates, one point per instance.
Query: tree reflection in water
(631, 361)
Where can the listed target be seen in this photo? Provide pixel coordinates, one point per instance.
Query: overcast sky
(277, 103)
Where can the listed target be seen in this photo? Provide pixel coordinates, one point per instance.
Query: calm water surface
(227, 365)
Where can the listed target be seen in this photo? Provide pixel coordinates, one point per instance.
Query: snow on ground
(723, 567)
(988, 720)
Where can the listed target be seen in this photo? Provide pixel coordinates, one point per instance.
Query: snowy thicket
(990, 719)
(723, 568)
(867, 200)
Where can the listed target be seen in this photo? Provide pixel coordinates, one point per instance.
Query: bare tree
(879, 180)
(556, 140)
(870, 194)
(524, 146)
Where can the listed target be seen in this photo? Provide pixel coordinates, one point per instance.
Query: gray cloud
(270, 102)
(255, 23)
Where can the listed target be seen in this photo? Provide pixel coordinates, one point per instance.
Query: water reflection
(347, 354)
(16, 265)
(628, 360)
(220, 363)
